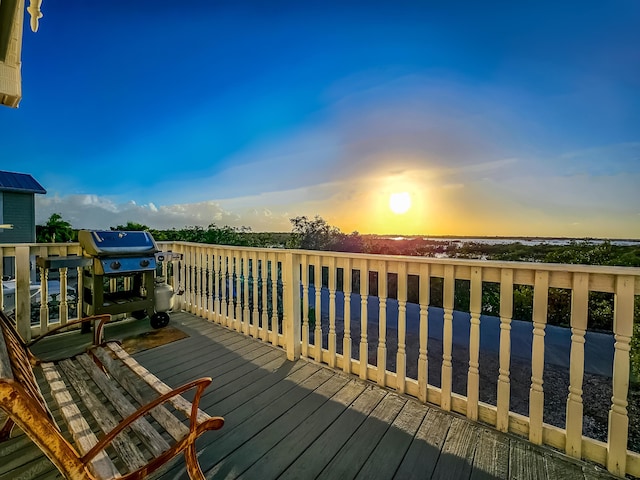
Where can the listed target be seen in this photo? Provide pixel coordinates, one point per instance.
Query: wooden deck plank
(260, 443)
(358, 448)
(250, 418)
(280, 456)
(320, 452)
(225, 359)
(39, 468)
(422, 457)
(230, 398)
(558, 467)
(223, 373)
(456, 457)
(276, 368)
(491, 460)
(526, 462)
(387, 456)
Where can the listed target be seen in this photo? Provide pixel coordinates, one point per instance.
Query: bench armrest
(97, 332)
(200, 384)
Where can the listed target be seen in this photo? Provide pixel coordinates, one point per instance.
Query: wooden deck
(300, 420)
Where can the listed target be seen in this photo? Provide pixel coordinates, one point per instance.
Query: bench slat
(5, 363)
(128, 452)
(180, 403)
(101, 465)
(150, 437)
(168, 421)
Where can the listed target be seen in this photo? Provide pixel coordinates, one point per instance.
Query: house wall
(19, 210)
(11, 20)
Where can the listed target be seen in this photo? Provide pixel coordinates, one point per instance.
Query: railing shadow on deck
(301, 420)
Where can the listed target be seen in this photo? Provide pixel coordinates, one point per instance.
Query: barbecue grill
(120, 279)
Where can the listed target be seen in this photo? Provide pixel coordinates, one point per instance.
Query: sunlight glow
(400, 202)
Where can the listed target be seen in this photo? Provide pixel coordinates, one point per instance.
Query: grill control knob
(115, 265)
(144, 263)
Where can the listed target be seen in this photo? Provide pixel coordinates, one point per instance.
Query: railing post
(618, 418)
(291, 305)
(504, 383)
(23, 298)
(382, 323)
(446, 380)
(423, 361)
(579, 315)
(536, 392)
(473, 376)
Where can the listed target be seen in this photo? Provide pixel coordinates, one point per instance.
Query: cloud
(93, 212)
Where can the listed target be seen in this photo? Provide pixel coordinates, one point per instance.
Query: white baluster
(193, 307)
(217, 268)
(401, 356)
(79, 291)
(64, 306)
(618, 433)
(423, 363)
(237, 297)
(346, 339)
(44, 299)
(382, 323)
(506, 313)
(254, 291)
(274, 300)
(264, 330)
(246, 326)
(364, 297)
(332, 312)
(536, 393)
(579, 312)
(199, 274)
(226, 285)
(317, 333)
(473, 377)
(305, 305)
(211, 262)
(447, 338)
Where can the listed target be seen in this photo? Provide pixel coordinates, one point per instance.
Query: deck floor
(300, 420)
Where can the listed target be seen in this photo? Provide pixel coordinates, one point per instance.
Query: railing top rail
(554, 267)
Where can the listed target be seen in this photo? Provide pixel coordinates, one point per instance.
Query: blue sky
(498, 118)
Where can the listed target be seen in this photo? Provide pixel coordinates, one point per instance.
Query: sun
(400, 202)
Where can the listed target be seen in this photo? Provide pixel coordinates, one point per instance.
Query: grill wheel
(159, 320)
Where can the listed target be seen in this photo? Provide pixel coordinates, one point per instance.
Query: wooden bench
(118, 419)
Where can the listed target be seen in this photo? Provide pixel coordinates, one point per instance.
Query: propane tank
(163, 295)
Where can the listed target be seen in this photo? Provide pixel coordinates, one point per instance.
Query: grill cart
(120, 278)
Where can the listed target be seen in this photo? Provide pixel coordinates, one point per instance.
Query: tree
(55, 230)
(313, 234)
(317, 234)
(132, 227)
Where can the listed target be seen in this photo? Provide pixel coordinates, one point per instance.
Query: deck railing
(396, 321)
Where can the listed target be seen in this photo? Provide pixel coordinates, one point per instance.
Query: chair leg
(193, 467)
(5, 431)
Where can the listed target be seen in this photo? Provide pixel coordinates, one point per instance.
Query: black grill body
(120, 278)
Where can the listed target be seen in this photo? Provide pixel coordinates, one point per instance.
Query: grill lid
(114, 243)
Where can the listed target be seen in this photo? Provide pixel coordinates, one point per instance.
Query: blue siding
(18, 210)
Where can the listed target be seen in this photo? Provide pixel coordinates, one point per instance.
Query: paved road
(598, 347)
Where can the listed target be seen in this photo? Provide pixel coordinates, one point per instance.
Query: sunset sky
(496, 118)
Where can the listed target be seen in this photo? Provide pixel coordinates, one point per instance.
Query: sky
(497, 118)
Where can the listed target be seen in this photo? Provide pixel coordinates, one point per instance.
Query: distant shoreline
(501, 240)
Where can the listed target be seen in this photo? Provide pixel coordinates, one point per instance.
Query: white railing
(404, 334)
